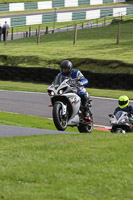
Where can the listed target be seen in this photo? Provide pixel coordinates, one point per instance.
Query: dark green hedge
(46, 75)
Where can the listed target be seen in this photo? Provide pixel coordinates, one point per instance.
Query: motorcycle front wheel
(60, 120)
(119, 130)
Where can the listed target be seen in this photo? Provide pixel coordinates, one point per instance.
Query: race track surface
(11, 131)
(36, 104)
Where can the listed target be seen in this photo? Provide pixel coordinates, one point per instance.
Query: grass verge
(68, 167)
(32, 87)
(21, 120)
(95, 50)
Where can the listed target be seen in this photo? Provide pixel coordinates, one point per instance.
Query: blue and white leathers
(82, 91)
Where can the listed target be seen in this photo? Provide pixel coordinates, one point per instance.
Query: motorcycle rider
(123, 103)
(66, 70)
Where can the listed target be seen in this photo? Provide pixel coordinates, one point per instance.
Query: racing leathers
(83, 81)
(128, 109)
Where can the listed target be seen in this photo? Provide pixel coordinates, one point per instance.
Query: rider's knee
(84, 99)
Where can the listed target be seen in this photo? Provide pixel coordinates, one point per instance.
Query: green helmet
(123, 101)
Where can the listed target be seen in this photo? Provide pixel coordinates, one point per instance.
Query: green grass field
(80, 166)
(95, 50)
(20, 120)
(68, 167)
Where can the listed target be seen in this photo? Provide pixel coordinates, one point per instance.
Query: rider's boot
(86, 109)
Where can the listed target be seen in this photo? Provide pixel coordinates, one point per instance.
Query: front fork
(64, 108)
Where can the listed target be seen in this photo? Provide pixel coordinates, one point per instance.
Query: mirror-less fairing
(67, 107)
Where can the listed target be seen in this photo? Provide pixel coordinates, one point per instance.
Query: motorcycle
(67, 106)
(121, 123)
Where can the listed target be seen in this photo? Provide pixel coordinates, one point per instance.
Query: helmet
(123, 101)
(66, 67)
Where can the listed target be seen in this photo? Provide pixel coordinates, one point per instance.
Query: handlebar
(74, 82)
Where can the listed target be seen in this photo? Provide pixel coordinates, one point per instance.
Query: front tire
(60, 121)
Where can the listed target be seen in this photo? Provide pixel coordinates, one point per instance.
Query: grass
(23, 86)
(95, 50)
(32, 87)
(69, 167)
(21, 120)
(84, 166)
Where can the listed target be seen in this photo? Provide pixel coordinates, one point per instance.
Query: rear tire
(60, 121)
(86, 128)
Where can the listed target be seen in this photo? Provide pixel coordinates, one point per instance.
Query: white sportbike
(67, 106)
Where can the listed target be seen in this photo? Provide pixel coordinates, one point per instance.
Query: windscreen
(118, 114)
(59, 79)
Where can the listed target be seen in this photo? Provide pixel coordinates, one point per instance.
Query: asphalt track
(12, 131)
(36, 104)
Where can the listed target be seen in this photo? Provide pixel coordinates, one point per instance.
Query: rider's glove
(80, 83)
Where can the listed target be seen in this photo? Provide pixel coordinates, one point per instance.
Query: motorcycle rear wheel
(59, 120)
(83, 128)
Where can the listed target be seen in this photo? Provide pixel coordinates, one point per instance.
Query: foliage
(21, 120)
